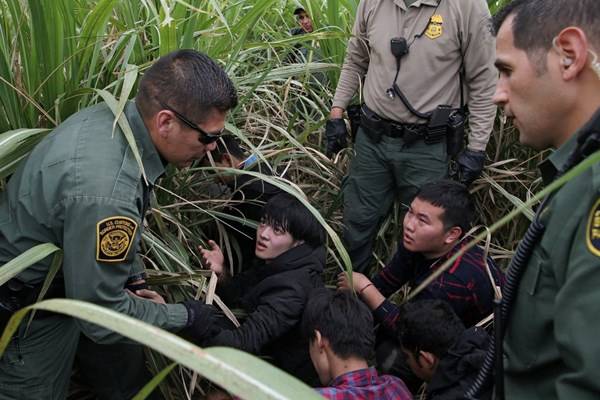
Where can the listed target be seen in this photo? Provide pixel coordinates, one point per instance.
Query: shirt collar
(360, 377)
(550, 166)
(151, 160)
(417, 3)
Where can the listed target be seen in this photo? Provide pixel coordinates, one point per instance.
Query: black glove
(335, 133)
(201, 319)
(470, 164)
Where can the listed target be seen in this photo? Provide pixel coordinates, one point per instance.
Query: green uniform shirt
(552, 350)
(82, 189)
(429, 73)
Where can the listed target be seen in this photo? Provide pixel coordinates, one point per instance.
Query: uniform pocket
(531, 318)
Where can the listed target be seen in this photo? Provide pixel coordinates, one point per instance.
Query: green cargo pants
(113, 371)
(29, 368)
(379, 174)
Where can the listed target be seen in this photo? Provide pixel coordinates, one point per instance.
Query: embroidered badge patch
(434, 29)
(592, 236)
(114, 237)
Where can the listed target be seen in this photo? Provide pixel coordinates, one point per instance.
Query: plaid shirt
(465, 285)
(365, 384)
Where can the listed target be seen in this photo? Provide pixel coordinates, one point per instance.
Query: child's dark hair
(454, 198)
(299, 10)
(286, 212)
(341, 318)
(428, 325)
(227, 144)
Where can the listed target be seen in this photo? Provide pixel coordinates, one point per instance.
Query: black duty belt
(15, 295)
(372, 121)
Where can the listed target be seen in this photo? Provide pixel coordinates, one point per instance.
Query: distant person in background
(341, 340)
(304, 20)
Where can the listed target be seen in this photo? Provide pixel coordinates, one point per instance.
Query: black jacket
(274, 295)
(458, 368)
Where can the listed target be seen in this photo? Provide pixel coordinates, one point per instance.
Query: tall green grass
(58, 56)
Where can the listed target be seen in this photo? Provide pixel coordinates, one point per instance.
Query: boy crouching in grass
(340, 332)
(290, 246)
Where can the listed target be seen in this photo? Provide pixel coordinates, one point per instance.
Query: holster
(447, 123)
(15, 295)
(372, 124)
(438, 124)
(455, 138)
(354, 113)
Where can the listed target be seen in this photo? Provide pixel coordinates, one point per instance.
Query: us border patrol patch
(592, 235)
(434, 29)
(114, 237)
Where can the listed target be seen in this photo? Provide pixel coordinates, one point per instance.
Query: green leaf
(111, 102)
(154, 382)
(16, 145)
(240, 373)
(23, 261)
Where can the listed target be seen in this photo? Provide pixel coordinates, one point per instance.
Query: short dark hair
(428, 325)
(537, 22)
(189, 82)
(286, 212)
(344, 320)
(299, 11)
(227, 144)
(454, 198)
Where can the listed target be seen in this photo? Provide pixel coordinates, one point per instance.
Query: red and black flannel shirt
(465, 285)
(365, 384)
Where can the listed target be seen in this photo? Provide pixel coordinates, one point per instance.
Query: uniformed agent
(549, 85)
(82, 189)
(410, 54)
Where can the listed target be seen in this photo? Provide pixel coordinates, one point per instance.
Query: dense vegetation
(56, 56)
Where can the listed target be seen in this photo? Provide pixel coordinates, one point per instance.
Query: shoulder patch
(434, 29)
(114, 237)
(592, 233)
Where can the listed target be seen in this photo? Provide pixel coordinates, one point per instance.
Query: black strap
(395, 88)
(461, 75)
(398, 92)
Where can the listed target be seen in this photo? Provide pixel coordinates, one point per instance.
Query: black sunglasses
(205, 137)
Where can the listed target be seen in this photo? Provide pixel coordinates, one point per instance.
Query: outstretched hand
(213, 258)
(359, 281)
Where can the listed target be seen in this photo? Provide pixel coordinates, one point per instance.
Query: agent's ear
(453, 234)
(572, 46)
(164, 122)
